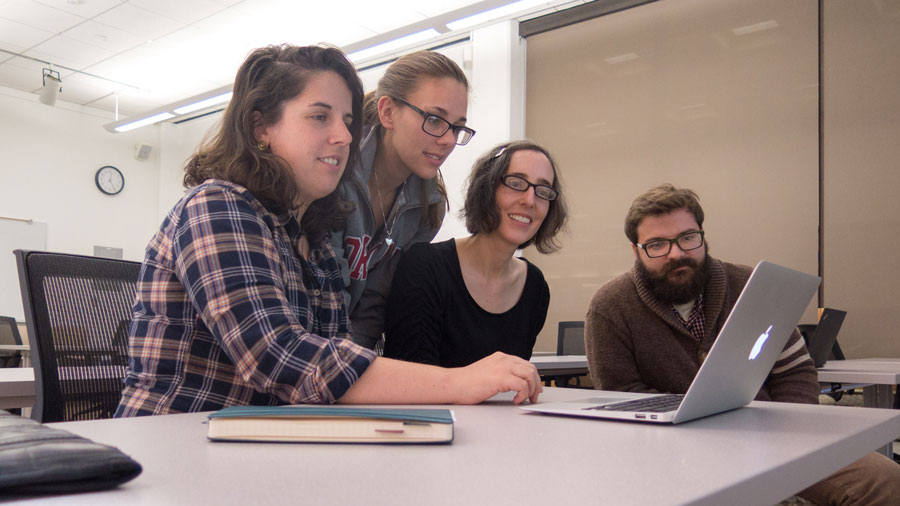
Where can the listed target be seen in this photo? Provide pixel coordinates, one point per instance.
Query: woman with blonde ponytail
(412, 122)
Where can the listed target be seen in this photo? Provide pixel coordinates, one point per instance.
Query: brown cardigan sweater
(636, 343)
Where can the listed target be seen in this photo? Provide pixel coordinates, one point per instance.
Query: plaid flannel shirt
(228, 313)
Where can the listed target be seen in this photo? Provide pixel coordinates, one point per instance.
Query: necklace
(387, 230)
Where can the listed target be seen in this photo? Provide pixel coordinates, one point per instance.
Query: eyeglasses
(520, 184)
(661, 247)
(437, 126)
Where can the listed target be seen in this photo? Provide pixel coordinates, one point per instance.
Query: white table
(560, 367)
(16, 387)
(756, 455)
(880, 374)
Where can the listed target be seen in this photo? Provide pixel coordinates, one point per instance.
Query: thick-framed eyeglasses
(437, 126)
(661, 247)
(520, 184)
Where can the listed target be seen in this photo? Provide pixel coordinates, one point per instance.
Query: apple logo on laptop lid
(760, 342)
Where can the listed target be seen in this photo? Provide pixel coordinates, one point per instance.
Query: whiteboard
(16, 234)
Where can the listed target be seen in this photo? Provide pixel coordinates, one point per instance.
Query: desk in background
(757, 455)
(24, 348)
(880, 374)
(16, 387)
(559, 367)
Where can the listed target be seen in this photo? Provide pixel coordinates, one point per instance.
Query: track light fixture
(52, 85)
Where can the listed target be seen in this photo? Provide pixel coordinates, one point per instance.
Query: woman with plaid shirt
(240, 298)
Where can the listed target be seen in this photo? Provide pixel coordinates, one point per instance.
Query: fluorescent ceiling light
(757, 27)
(203, 104)
(145, 121)
(197, 102)
(499, 12)
(393, 44)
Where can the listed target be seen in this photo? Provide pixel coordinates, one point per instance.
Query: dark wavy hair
(480, 209)
(662, 199)
(268, 78)
(400, 80)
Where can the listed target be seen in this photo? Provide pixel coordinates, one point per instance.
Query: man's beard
(675, 293)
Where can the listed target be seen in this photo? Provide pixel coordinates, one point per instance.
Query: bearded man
(649, 330)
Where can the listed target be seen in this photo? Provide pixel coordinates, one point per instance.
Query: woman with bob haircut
(240, 298)
(412, 122)
(456, 302)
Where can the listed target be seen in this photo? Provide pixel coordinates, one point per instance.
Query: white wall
(48, 158)
(178, 143)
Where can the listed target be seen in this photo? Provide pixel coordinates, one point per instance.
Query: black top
(431, 317)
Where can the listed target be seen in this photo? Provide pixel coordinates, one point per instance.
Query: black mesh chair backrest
(9, 334)
(571, 338)
(77, 311)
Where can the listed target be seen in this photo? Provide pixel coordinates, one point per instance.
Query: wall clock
(109, 180)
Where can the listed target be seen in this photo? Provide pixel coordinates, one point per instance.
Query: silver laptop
(741, 358)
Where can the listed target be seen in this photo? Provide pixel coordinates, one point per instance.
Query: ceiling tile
(128, 105)
(221, 55)
(84, 8)
(127, 67)
(38, 15)
(62, 50)
(196, 45)
(14, 76)
(139, 22)
(375, 17)
(82, 89)
(186, 12)
(17, 37)
(26, 75)
(103, 36)
(435, 7)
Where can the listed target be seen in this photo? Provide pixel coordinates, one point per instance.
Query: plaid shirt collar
(694, 324)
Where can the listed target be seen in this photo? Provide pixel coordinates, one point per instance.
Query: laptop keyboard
(656, 404)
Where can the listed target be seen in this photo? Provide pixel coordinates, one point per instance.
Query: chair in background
(77, 311)
(570, 341)
(9, 335)
(830, 320)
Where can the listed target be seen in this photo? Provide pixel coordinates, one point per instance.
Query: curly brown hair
(268, 78)
(480, 208)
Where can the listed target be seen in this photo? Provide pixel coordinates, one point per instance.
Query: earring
(262, 145)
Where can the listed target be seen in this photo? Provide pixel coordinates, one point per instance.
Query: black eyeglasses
(437, 126)
(520, 184)
(661, 247)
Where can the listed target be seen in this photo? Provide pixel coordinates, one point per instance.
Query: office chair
(9, 334)
(834, 390)
(77, 311)
(570, 341)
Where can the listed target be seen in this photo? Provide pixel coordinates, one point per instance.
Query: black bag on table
(37, 459)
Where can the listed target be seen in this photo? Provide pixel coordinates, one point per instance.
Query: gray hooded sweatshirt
(367, 262)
